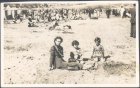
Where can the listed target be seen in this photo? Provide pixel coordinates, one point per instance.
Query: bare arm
(63, 55)
(103, 51)
(93, 53)
(52, 56)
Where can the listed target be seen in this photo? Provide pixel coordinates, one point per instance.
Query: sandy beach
(26, 52)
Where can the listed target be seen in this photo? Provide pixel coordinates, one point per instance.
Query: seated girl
(98, 52)
(76, 51)
(75, 55)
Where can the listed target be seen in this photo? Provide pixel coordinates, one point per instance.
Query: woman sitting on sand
(56, 57)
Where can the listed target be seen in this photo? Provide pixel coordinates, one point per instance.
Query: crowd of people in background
(35, 16)
(49, 15)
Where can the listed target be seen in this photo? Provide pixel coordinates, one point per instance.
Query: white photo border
(71, 85)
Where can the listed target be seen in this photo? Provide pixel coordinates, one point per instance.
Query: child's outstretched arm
(103, 52)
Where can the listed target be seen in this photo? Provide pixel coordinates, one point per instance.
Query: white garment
(8, 12)
(122, 11)
(76, 52)
(95, 15)
(57, 16)
(24, 16)
(129, 15)
(13, 13)
(98, 51)
(18, 11)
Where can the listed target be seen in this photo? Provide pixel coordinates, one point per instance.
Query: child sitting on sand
(75, 56)
(98, 52)
(73, 64)
(76, 50)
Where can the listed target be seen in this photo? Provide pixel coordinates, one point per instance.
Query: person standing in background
(122, 11)
(133, 21)
(108, 12)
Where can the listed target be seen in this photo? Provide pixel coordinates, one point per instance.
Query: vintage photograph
(92, 42)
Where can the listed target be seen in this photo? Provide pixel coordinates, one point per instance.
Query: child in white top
(98, 52)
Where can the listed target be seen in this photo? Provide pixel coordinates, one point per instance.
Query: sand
(26, 52)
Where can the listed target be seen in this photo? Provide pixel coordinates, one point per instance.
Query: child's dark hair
(97, 39)
(58, 37)
(71, 55)
(75, 42)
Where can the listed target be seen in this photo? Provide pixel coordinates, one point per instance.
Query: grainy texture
(26, 52)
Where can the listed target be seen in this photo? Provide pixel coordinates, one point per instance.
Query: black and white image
(70, 43)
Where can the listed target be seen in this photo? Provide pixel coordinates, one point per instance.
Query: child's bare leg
(96, 63)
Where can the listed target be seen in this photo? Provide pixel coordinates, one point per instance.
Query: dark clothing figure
(115, 12)
(21, 18)
(30, 23)
(133, 23)
(90, 12)
(56, 57)
(108, 12)
(71, 60)
(124, 14)
(54, 26)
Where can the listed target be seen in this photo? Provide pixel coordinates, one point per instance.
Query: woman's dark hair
(58, 37)
(75, 42)
(97, 39)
